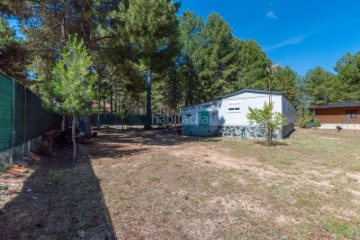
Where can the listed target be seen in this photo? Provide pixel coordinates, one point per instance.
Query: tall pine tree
(320, 86)
(151, 26)
(217, 58)
(347, 84)
(13, 57)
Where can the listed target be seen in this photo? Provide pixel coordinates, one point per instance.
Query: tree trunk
(63, 25)
(122, 125)
(86, 34)
(86, 125)
(63, 123)
(269, 135)
(99, 103)
(147, 125)
(73, 132)
(111, 102)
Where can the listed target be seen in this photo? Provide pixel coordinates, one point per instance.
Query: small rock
(29, 190)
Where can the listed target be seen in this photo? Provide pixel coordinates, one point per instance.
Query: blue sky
(300, 33)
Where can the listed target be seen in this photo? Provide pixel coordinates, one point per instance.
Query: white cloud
(271, 15)
(290, 41)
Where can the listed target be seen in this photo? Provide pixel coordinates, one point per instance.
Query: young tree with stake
(267, 119)
(73, 83)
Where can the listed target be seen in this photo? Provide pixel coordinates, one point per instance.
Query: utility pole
(270, 69)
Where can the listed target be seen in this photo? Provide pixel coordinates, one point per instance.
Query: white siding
(246, 100)
(288, 110)
(219, 114)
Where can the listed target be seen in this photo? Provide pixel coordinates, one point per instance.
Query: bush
(308, 122)
(316, 123)
(304, 122)
(42, 149)
(4, 167)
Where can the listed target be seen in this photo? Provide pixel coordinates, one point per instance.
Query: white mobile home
(227, 115)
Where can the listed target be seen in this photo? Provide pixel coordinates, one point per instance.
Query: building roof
(246, 90)
(338, 105)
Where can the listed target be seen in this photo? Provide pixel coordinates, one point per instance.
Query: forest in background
(189, 59)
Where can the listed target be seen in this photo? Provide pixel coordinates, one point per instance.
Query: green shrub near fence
(22, 116)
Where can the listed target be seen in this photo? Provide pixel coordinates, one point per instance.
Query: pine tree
(151, 27)
(252, 63)
(217, 58)
(284, 80)
(72, 86)
(190, 30)
(47, 23)
(320, 85)
(347, 84)
(13, 57)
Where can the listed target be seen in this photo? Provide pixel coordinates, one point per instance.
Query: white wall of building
(288, 110)
(245, 100)
(221, 115)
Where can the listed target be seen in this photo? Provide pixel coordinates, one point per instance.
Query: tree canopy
(13, 57)
(138, 43)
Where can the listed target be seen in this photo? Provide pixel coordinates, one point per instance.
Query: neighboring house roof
(338, 105)
(246, 90)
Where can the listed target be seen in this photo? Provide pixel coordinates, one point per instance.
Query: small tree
(122, 113)
(72, 86)
(266, 119)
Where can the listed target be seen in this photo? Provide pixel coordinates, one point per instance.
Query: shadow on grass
(61, 199)
(153, 137)
(290, 133)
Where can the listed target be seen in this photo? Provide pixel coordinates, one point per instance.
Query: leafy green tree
(320, 85)
(267, 119)
(347, 84)
(72, 85)
(151, 27)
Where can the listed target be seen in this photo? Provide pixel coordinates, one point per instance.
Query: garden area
(156, 184)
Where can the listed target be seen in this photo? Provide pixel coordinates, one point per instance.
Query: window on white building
(234, 107)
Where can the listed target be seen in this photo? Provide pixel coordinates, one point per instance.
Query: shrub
(4, 167)
(316, 123)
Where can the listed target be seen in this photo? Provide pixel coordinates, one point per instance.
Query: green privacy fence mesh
(112, 119)
(22, 116)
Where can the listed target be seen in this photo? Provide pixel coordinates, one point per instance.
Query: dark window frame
(351, 113)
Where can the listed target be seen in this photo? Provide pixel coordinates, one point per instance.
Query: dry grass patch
(157, 185)
(215, 188)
